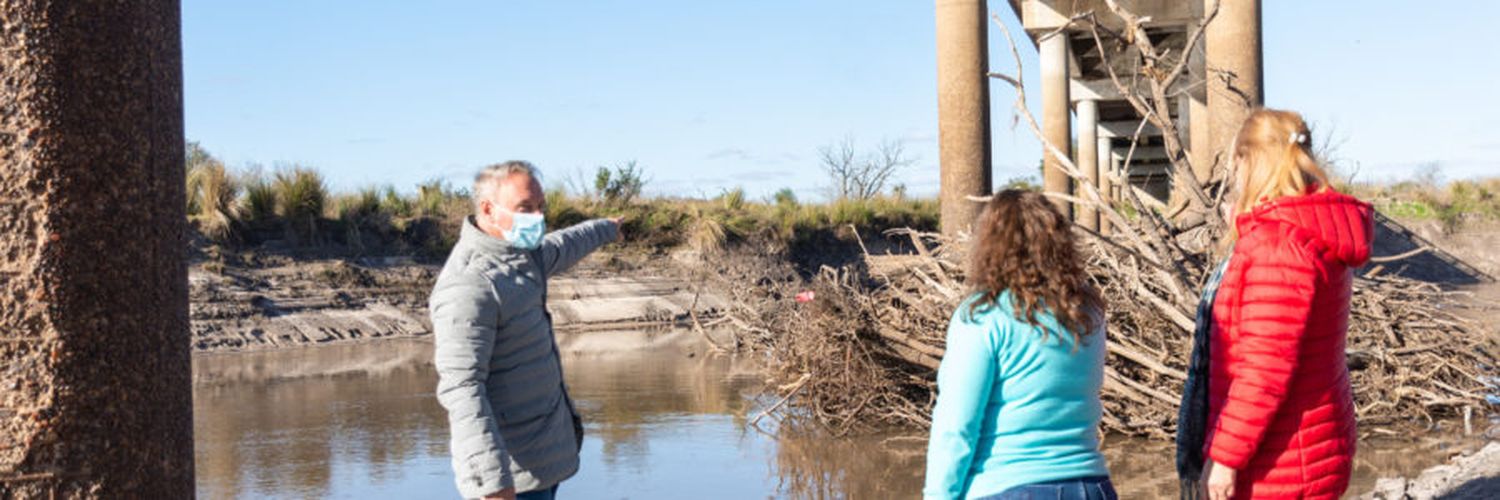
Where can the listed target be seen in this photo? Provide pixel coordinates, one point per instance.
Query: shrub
(621, 186)
(395, 205)
(212, 194)
(364, 204)
(300, 198)
(733, 200)
(563, 210)
(359, 213)
(708, 235)
(432, 197)
(259, 203)
(785, 198)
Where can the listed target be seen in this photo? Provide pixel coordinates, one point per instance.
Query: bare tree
(861, 177)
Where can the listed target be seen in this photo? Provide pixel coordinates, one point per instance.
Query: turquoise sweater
(1012, 409)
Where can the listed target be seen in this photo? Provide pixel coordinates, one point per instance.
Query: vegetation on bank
(294, 207)
(1426, 197)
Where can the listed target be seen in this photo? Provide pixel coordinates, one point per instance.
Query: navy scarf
(1192, 415)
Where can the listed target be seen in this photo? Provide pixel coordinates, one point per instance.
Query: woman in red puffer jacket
(1281, 419)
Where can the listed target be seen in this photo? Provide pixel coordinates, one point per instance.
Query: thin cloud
(747, 156)
(919, 138)
(761, 175)
(729, 154)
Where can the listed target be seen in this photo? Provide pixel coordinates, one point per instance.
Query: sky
(715, 95)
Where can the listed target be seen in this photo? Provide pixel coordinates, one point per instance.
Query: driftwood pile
(862, 353)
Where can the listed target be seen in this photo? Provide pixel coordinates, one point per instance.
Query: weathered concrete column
(963, 110)
(1056, 127)
(1200, 139)
(1087, 160)
(1232, 48)
(1181, 194)
(1199, 129)
(97, 397)
(1106, 177)
(1117, 165)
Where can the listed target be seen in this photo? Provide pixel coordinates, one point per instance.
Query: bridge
(1083, 111)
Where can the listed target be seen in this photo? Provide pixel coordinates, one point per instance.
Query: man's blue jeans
(1088, 488)
(547, 494)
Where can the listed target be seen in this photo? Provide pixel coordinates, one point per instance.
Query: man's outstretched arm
(562, 249)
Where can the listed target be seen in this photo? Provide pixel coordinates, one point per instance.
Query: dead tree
(861, 177)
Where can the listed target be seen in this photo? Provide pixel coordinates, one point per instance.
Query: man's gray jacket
(499, 375)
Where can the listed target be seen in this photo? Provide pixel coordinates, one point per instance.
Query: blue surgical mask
(526, 230)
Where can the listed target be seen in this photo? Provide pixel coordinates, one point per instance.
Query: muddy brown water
(361, 421)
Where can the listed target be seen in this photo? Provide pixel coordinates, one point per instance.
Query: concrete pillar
(1055, 118)
(97, 396)
(1181, 189)
(1199, 131)
(1200, 139)
(1087, 160)
(963, 111)
(1117, 165)
(1232, 48)
(1106, 183)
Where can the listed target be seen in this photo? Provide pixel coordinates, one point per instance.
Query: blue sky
(715, 95)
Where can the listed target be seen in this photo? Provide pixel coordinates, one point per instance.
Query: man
(515, 433)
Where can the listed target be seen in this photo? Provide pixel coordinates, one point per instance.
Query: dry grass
(300, 197)
(251, 207)
(212, 199)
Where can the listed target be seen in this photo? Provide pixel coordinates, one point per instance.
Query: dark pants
(547, 494)
(1087, 488)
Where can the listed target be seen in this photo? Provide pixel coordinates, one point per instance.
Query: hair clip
(1297, 138)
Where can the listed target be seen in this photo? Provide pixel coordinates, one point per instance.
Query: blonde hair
(1272, 159)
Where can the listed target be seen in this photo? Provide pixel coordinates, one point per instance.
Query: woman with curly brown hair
(1018, 408)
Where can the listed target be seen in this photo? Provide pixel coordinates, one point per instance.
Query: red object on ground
(1280, 409)
(806, 296)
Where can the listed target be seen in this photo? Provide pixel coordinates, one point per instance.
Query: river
(361, 420)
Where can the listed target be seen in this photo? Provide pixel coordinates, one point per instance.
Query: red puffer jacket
(1280, 410)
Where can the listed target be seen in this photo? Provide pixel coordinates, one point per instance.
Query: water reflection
(660, 425)
(810, 466)
(331, 435)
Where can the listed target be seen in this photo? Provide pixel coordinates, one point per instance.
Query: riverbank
(1471, 476)
(268, 302)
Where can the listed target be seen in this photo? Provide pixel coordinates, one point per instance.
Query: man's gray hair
(487, 180)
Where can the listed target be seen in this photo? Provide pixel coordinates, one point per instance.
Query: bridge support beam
(1232, 47)
(1107, 171)
(1087, 160)
(97, 398)
(1056, 121)
(963, 111)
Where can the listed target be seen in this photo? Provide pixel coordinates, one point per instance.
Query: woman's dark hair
(1025, 245)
